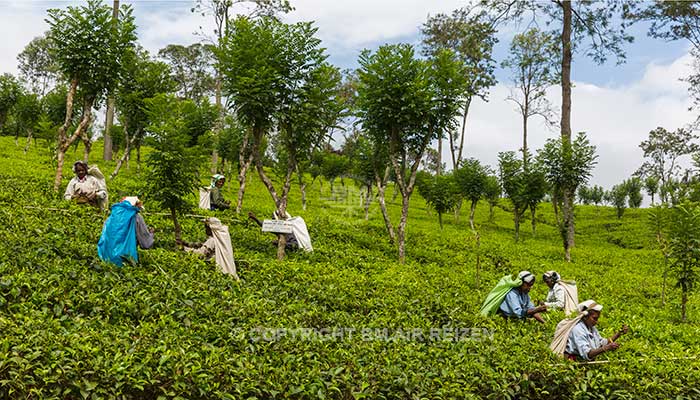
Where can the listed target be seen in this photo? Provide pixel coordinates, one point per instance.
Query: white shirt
(89, 184)
(555, 297)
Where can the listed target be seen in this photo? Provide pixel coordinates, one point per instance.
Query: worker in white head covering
(563, 295)
(218, 244)
(583, 341)
(517, 303)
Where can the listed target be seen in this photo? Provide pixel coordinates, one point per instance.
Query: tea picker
(123, 230)
(511, 298)
(88, 186)
(294, 229)
(579, 339)
(218, 245)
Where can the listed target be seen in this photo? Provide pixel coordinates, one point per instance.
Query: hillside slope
(75, 327)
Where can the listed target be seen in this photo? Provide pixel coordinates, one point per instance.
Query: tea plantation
(73, 327)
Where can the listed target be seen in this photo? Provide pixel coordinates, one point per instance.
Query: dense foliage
(74, 327)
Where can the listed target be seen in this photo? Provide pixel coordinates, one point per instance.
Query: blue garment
(118, 240)
(516, 304)
(582, 340)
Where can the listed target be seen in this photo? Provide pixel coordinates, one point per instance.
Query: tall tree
(533, 64)
(191, 68)
(586, 26)
(492, 192)
(651, 186)
(109, 114)
(469, 33)
(663, 149)
(566, 167)
(88, 48)
(404, 104)
(10, 92)
(276, 73)
(223, 11)
(634, 192)
(143, 79)
(471, 179)
(173, 164)
(684, 240)
(37, 67)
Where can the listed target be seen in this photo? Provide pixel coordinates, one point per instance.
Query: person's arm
(144, 234)
(592, 354)
(533, 311)
(254, 218)
(619, 333)
(70, 189)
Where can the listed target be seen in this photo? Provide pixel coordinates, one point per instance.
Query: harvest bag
(496, 296)
(118, 238)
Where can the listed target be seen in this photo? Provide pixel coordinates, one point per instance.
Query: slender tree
(88, 49)
(471, 35)
(470, 179)
(173, 164)
(589, 27)
(533, 65)
(109, 114)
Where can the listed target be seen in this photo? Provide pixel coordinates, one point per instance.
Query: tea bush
(74, 327)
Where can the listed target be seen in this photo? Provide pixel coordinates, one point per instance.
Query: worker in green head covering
(217, 199)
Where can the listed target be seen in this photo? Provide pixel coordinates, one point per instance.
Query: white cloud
(616, 120)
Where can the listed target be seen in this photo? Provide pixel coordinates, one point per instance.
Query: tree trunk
(381, 188)
(440, 219)
(438, 170)
(124, 156)
(176, 224)
(368, 200)
(302, 189)
(684, 301)
(568, 192)
(242, 174)
(471, 214)
(87, 143)
(458, 210)
(464, 129)
(401, 231)
(63, 141)
(30, 133)
(525, 112)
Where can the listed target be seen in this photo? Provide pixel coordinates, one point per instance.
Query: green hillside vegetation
(174, 327)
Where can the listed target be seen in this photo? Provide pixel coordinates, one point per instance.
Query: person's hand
(541, 308)
(611, 346)
(624, 329)
(152, 230)
(90, 196)
(179, 242)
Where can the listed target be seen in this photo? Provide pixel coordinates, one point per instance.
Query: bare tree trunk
(438, 171)
(109, 118)
(63, 141)
(684, 302)
(124, 156)
(242, 174)
(440, 220)
(176, 224)
(464, 129)
(381, 188)
(30, 133)
(87, 143)
(302, 189)
(471, 214)
(568, 195)
(368, 200)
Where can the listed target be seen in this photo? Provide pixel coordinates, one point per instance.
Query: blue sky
(616, 105)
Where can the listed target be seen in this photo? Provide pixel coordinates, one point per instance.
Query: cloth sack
(301, 234)
(570, 296)
(204, 198)
(223, 250)
(498, 293)
(561, 334)
(118, 239)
